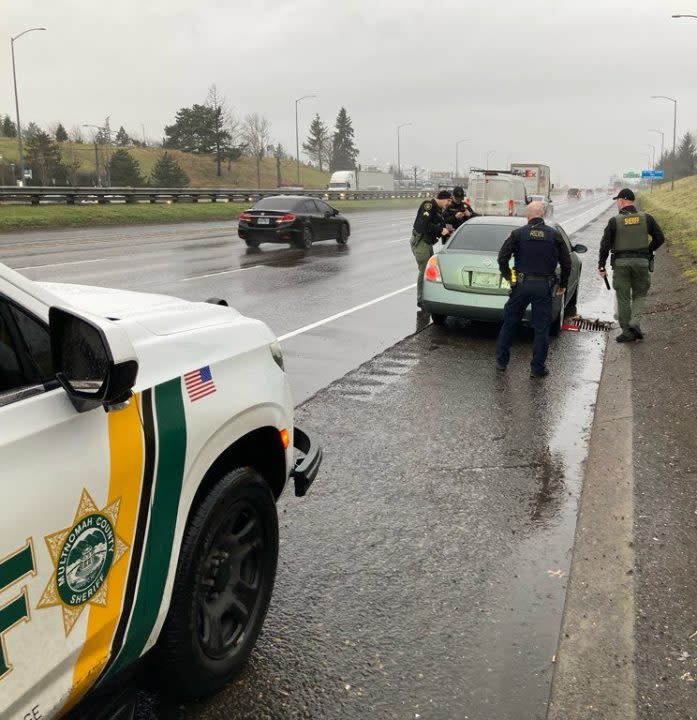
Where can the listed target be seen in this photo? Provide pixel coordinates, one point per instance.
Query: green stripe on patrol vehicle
(171, 452)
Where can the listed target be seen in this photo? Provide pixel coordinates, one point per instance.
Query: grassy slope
(676, 213)
(27, 217)
(200, 169)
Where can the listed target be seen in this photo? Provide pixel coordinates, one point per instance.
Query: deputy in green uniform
(429, 227)
(627, 238)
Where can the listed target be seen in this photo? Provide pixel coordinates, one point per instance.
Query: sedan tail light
(432, 272)
(245, 216)
(288, 217)
(511, 207)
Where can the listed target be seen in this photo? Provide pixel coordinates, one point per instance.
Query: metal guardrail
(107, 195)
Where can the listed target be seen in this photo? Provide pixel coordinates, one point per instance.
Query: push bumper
(307, 466)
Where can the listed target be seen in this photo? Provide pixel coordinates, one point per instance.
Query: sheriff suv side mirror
(93, 358)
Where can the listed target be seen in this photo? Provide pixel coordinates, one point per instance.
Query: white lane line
(331, 318)
(221, 272)
(72, 262)
(392, 242)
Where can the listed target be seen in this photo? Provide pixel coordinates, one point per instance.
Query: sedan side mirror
(94, 360)
(579, 248)
(335, 211)
(328, 214)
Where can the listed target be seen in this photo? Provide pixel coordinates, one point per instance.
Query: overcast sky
(563, 82)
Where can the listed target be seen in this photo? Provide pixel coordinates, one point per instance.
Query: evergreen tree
(31, 130)
(9, 129)
(124, 170)
(44, 158)
(61, 134)
(191, 131)
(318, 142)
(686, 160)
(167, 173)
(122, 138)
(344, 152)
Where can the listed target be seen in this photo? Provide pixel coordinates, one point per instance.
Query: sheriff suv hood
(159, 314)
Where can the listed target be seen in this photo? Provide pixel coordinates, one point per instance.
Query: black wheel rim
(231, 582)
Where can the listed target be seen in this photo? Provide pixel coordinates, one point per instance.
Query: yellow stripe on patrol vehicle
(126, 453)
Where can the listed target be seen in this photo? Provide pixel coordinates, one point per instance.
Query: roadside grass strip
(676, 213)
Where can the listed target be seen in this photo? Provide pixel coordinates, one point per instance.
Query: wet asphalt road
(289, 289)
(425, 573)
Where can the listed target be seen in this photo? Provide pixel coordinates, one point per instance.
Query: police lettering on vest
(631, 235)
(536, 249)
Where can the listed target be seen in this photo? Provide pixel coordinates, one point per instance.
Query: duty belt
(646, 254)
(538, 276)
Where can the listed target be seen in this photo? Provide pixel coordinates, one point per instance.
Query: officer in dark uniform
(429, 227)
(459, 211)
(538, 249)
(627, 237)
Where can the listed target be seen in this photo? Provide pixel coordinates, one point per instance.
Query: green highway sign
(631, 174)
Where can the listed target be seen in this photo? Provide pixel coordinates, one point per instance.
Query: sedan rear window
(276, 203)
(480, 237)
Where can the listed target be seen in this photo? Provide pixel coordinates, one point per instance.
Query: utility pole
(457, 157)
(14, 79)
(399, 156)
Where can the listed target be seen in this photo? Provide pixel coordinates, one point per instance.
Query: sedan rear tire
(438, 319)
(306, 238)
(252, 243)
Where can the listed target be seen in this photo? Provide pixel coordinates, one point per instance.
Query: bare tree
(224, 129)
(76, 135)
(256, 132)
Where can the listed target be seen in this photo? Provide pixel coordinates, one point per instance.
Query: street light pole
(14, 79)
(652, 160)
(399, 156)
(675, 126)
(297, 135)
(457, 157)
(662, 134)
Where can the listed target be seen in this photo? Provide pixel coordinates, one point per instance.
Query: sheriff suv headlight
(277, 353)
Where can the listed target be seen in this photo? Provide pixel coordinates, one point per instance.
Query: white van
(496, 192)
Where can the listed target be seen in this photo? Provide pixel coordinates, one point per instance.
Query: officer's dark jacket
(457, 207)
(608, 242)
(538, 249)
(429, 221)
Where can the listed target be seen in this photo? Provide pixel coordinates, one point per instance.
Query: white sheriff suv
(144, 441)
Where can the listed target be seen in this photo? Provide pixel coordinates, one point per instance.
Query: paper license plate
(263, 221)
(485, 280)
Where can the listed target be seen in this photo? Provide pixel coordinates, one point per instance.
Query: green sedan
(463, 279)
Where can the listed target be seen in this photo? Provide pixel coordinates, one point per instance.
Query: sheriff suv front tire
(222, 590)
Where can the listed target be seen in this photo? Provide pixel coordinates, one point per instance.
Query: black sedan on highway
(294, 219)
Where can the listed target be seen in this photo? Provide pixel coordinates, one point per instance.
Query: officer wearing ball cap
(429, 227)
(632, 237)
(459, 211)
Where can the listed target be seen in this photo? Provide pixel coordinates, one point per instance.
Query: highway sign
(652, 174)
(631, 174)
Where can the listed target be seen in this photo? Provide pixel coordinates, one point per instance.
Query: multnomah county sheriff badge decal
(82, 555)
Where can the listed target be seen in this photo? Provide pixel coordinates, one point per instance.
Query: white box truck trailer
(343, 180)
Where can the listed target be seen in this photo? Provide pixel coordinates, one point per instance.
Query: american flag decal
(199, 383)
